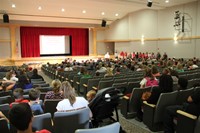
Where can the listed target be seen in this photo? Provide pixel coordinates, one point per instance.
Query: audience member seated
(91, 95)
(68, 68)
(192, 106)
(34, 96)
(10, 76)
(155, 71)
(182, 84)
(7, 85)
(165, 85)
(149, 79)
(71, 101)
(20, 116)
(18, 96)
(24, 83)
(36, 75)
(55, 94)
(109, 72)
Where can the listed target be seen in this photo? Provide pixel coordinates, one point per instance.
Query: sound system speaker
(103, 23)
(5, 18)
(149, 4)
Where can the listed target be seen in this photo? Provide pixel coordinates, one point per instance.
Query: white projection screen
(55, 45)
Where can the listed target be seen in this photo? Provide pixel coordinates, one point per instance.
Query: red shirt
(19, 101)
(43, 131)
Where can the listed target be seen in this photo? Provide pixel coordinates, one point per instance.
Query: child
(34, 95)
(91, 95)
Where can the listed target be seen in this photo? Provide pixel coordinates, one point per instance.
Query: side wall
(153, 24)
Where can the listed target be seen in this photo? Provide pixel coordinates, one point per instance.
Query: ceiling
(27, 10)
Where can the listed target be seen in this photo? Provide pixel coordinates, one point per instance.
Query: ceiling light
(62, 9)
(103, 13)
(39, 8)
(166, 1)
(84, 11)
(116, 14)
(13, 6)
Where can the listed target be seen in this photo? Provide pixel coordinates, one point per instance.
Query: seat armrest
(148, 114)
(77, 83)
(124, 106)
(185, 122)
(148, 104)
(85, 85)
(186, 114)
(95, 88)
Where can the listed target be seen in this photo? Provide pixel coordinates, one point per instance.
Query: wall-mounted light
(175, 38)
(142, 39)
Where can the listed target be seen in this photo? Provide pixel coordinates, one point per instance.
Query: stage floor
(44, 60)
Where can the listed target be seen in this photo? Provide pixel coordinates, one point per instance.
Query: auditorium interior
(34, 34)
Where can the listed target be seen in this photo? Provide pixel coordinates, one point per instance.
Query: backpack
(151, 82)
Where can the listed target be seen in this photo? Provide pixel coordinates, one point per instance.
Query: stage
(37, 61)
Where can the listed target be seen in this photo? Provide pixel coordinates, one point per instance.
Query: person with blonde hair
(71, 101)
(55, 93)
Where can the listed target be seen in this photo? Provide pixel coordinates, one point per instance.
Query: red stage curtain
(30, 46)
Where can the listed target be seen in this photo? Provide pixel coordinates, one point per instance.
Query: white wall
(5, 51)
(159, 24)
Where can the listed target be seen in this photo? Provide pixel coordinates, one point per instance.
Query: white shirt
(65, 105)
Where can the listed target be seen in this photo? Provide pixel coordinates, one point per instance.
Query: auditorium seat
(68, 122)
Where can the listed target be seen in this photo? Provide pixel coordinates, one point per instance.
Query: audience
(71, 101)
(55, 94)
(21, 117)
(34, 96)
(18, 96)
(36, 75)
(148, 80)
(192, 106)
(24, 83)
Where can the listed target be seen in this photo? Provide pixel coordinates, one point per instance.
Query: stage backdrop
(30, 46)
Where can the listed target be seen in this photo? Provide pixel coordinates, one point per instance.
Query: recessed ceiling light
(84, 11)
(103, 13)
(39, 8)
(62, 9)
(13, 6)
(116, 14)
(166, 1)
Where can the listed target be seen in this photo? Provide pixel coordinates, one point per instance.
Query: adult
(36, 75)
(71, 101)
(24, 83)
(192, 106)
(55, 93)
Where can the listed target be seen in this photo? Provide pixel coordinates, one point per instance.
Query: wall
(5, 51)
(153, 24)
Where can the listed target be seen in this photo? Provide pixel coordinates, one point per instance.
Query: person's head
(154, 70)
(20, 116)
(148, 72)
(23, 79)
(18, 93)
(56, 85)
(97, 74)
(166, 83)
(34, 94)
(109, 71)
(35, 71)
(91, 95)
(183, 83)
(68, 92)
(8, 75)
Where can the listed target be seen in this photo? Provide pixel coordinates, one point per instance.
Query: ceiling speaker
(5, 18)
(103, 23)
(149, 3)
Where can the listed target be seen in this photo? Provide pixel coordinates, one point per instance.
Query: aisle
(46, 78)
